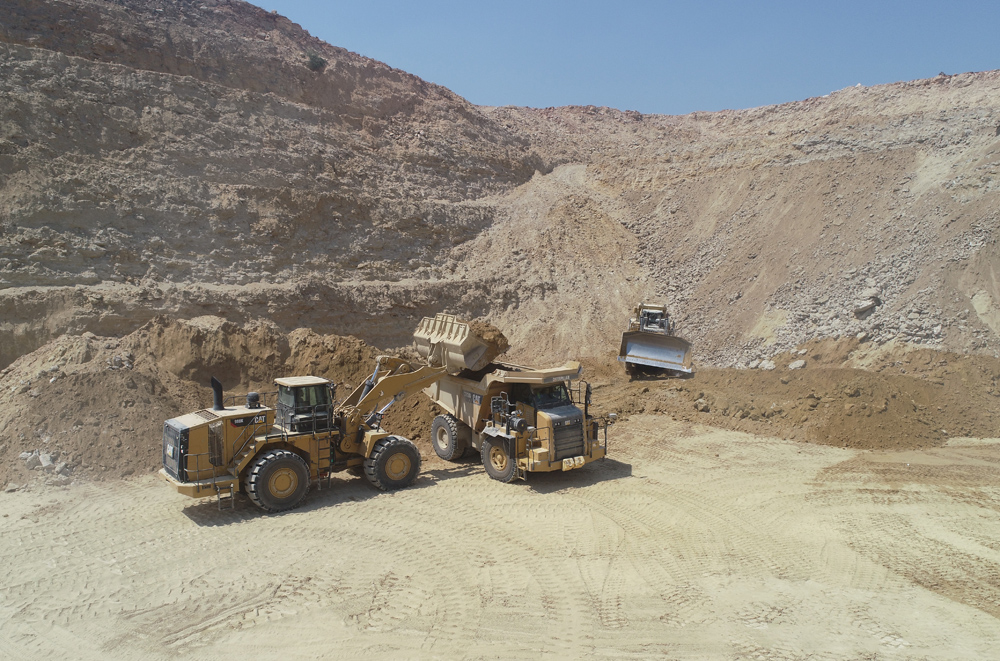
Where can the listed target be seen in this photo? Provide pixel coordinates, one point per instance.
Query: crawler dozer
(274, 452)
(520, 420)
(649, 345)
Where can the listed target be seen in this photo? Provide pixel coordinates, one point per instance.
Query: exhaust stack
(217, 395)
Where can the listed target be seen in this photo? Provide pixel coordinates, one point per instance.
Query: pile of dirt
(95, 406)
(496, 341)
(905, 399)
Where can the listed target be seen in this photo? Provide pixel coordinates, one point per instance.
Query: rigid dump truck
(520, 420)
(649, 345)
(273, 452)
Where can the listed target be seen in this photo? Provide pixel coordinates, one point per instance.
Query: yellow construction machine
(650, 346)
(520, 420)
(274, 452)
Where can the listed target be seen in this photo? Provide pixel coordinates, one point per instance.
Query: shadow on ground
(593, 473)
(342, 487)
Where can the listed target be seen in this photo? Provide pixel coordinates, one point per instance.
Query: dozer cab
(272, 446)
(650, 346)
(520, 420)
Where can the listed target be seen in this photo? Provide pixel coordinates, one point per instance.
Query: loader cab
(305, 404)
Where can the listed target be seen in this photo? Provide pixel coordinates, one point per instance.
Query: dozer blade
(654, 350)
(445, 341)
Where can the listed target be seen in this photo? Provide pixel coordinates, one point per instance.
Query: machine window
(312, 396)
(551, 397)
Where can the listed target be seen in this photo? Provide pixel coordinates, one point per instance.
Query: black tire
(497, 461)
(393, 464)
(278, 480)
(444, 438)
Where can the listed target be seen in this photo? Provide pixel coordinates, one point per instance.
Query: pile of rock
(120, 362)
(48, 462)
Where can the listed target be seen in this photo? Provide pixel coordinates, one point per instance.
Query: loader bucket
(444, 341)
(654, 350)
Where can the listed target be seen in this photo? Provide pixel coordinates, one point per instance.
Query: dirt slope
(190, 158)
(195, 160)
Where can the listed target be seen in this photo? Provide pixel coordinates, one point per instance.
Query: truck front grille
(569, 440)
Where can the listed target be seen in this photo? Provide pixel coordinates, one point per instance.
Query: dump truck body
(533, 416)
(649, 344)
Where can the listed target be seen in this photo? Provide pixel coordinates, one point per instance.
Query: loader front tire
(393, 463)
(278, 480)
(497, 460)
(444, 438)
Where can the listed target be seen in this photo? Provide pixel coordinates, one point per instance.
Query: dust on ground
(688, 542)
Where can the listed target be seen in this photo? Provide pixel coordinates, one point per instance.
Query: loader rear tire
(497, 460)
(445, 439)
(393, 463)
(278, 480)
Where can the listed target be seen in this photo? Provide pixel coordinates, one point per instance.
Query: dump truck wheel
(444, 438)
(278, 480)
(497, 461)
(393, 464)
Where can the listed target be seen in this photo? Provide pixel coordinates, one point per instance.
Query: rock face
(192, 158)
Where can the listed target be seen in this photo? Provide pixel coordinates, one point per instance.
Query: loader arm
(398, 380)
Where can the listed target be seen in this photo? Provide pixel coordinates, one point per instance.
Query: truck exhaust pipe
(217, 395)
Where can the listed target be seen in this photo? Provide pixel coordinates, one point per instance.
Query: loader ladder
(225, 494)
(324, 461)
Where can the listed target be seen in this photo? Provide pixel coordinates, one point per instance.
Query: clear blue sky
(658, 57)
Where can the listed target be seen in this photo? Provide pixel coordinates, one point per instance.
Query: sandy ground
(692, 542)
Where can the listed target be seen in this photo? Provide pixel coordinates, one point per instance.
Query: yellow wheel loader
(650, 346)
(520, 420)
(273, 446)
